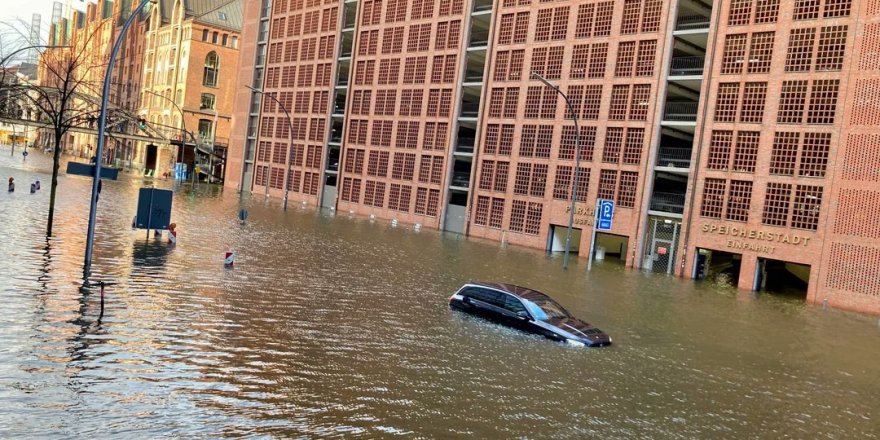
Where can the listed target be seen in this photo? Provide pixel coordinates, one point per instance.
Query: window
(212, 69)
(739, 200)
(207, 101)
(204, 35)
(713, 198)
(206, 129)
(777, 203)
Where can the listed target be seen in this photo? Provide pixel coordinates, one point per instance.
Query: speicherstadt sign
(764, 241)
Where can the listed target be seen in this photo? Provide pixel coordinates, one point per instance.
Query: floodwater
(330, 326)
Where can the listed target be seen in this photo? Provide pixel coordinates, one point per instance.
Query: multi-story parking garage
(718, 128)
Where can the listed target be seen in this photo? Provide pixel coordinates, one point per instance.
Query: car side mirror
(466, 300)
(524, 316)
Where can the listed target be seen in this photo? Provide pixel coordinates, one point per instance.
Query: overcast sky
(23, 9)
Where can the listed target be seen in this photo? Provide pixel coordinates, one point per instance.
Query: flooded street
(336, 326)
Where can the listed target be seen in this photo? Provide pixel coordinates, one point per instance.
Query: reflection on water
(335, 326)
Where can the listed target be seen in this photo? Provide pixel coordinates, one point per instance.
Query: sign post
(602, 221)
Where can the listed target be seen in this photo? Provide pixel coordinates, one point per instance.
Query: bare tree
(66, 76)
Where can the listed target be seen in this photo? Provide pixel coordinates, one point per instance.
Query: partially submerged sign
(154, 209)
(87, 169)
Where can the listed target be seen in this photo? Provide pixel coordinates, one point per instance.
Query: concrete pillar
(747, 272)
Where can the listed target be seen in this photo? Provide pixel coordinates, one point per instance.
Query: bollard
(825, 304)
(101, 315)
(33, 188)
(37, 183)
(229, 261)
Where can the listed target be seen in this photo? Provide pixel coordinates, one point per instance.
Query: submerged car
(527, 310)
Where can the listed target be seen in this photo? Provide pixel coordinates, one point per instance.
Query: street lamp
(290, 147)
(577, 165)
(102, 126)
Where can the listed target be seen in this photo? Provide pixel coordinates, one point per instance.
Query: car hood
(578, 328)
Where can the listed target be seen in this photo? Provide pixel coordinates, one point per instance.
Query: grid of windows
(792, 102)
(726, 102)
(754, 96)
(739, 200)
(806, 205)
(607, 184)
(823, 101)
(562, 184)
(713, 198)
(777, 204)
(626, 192)
(746, 155)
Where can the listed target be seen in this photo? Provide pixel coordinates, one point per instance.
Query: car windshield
(543, 309)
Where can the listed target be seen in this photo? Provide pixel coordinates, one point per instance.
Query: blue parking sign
(606, 215)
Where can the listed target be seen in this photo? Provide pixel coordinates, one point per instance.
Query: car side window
(484, 295)
(513, 304)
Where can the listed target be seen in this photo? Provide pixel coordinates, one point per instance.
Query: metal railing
(483, 5)
(690, 22)
(674, 157)
(680, 111)
(686, 66)
(470, 109)
(667, 202)
(461, 179)
(473, 76)
(465, 145)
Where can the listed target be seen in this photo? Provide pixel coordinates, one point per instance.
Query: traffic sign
(606, 215)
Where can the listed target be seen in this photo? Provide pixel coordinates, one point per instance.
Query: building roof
(225, 14)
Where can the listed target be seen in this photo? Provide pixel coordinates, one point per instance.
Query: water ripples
(330, 326)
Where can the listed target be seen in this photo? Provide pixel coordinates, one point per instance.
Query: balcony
(692, 22)
(674, 157)
(686, 66)
(681, 111)
(672, 203)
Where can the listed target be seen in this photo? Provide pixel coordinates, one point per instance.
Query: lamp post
(102, 126)
(290, 146)
(577, 164)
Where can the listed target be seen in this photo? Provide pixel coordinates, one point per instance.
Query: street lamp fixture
(577, 167)
(289, 149)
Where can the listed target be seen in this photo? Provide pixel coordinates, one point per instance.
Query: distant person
(37, 184)
(94, 159)
(172, 233)
(12, 184)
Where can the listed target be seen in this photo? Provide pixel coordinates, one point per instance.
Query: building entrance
(663, 245)
(782, 278)
(151, 158)
(556, 240)
(717, 266)
(611, 247)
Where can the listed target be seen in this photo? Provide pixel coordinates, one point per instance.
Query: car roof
(513, 289)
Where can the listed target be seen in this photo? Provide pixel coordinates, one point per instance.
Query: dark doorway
(782, 278)
(151, 158)
(717, 266)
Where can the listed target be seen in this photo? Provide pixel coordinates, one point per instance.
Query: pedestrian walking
(11, 184)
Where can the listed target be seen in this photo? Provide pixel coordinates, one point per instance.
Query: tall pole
(577, 166)
(102, 126)
(290, 145)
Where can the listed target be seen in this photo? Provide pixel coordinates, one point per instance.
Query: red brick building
(717, 128)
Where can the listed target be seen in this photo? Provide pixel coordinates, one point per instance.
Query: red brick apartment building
(717, 127)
